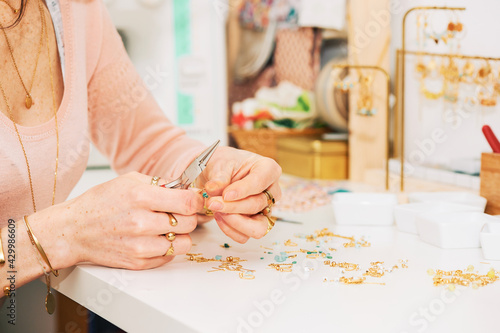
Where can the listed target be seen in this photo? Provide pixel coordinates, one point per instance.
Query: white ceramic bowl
(452, 230)
(463, 198)
(406, 214)
(364, 208)
(490, 240)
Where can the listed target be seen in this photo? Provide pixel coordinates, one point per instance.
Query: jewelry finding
(270, 223)
(154, 180)
(205, 195)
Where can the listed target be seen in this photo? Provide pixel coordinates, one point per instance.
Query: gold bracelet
(35, 242)
(2, 256)
(50, 301)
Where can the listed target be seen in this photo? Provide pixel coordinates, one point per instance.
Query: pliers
(194, 169)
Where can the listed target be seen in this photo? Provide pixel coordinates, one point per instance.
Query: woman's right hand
(122, 223)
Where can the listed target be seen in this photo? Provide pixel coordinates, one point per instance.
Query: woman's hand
(122, 223)
(235, 180)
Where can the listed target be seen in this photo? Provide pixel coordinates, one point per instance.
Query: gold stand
(388, 80)
(449, 55)
(402, 103)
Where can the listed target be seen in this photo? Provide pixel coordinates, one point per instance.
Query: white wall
(202, 73)
(464, 138)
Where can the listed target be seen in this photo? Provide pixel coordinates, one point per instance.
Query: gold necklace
(15, 11)
(28, 100)
(11, 116)
(50, 303)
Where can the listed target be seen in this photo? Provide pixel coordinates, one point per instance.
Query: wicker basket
(264, 141)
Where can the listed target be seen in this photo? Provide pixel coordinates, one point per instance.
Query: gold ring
(170, 250)
(270, 198)
(170, 236)
(173, 221)
(270, 202)
(154, 180)
(270, 223)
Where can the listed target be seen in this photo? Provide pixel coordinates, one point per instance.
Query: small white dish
(364, 208)
(463, 198)
(457, 230)
(406, 214)
(490, 240)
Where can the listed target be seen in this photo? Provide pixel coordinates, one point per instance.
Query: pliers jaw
(194, 169)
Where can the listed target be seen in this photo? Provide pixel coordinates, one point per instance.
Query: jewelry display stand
(388, 90)
(400, 66)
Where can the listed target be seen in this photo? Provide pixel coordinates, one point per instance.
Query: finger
(250, 205)
(143, 264)
(167, 200)
(254, 226)
(154, 246)
(181, 245)
(229, 231)
(145, 223)
(264, 173)
(202, 218)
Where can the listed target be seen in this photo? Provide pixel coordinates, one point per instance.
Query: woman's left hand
(235, 180)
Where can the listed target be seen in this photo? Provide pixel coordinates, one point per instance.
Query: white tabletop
(183, 297)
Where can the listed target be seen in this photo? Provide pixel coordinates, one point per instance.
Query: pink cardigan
(104, 101)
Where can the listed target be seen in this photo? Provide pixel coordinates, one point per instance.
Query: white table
(183, 297)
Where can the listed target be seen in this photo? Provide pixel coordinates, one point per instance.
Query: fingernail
(216, 205)
(230, 196)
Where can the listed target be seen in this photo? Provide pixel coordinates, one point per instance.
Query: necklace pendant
(28, 101)
(50, 303)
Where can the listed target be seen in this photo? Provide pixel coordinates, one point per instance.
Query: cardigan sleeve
(125, 122)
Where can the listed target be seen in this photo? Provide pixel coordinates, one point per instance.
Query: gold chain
(44, 28)
(28, 100)
(14, 10)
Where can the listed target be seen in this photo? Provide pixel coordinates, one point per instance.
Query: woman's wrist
(52, 227)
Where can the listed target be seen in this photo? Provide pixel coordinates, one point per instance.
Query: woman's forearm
(22, 260)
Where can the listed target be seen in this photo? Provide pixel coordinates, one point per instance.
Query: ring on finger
(170, 237)
(170, 251)
(173, 220)
(270, 202)
(154, 180)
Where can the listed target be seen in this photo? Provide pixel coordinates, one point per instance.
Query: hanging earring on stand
(485, 91)
(497, 83)
(435, 80)
(420, 67)
(365, 99)
(451, 81)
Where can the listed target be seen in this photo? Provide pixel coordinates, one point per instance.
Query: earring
(451, 76)
(365, 99)
(433, 75)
